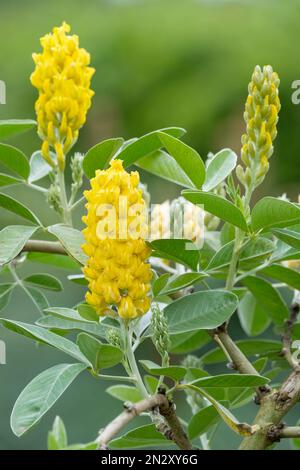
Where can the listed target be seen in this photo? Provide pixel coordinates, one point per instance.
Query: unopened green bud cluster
(161, 338)
(77, 171)
(113, 337)
(53, 196)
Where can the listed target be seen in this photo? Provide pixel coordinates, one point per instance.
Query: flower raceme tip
(261, 117)
(62, 76)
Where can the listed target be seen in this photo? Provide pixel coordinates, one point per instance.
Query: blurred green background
(158, 63)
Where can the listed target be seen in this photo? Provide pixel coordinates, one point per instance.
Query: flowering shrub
(151, 273)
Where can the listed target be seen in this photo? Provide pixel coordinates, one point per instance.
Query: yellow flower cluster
(261, 117)
(62, 77)
(117, 270)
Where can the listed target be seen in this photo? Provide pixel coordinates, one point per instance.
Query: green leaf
(219, 167)
(240, 397)
(242, 429)
(290, 237)
(10, 127)
(101, 356)
(144, 436)
(186, 157)
(253, 318)
(268, 298)
(202, 421)
(16, 207)
(59, 323)
(68, 313)
(174, 372)
(38, 298)
(231, 381)
(151, 383)
(176, 250)
(57, 437)
(218, 206)
(6, 180)
(15, 160)
(12, 241)
(282, 274)
(71, 239)
(181, 281)
(184, 343)
(88, 313)
(159, 283)
(161, 164)
(146, 144)
(202, 310)
(270, 212)
(260, 347)
(227, 233)
(46, 281)
(51, 259)
(43, 336)
(125, 393)
(41, 394)
(39, 168)
(99, 156)
(252, 254)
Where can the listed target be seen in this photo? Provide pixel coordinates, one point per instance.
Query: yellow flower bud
(261, 117)
(117, 270)
(62, 76)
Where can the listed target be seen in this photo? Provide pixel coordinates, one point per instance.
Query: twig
(238, 359)
(166, 409)
(287, 337)
(275, 433)
(43, 246)
(290, 432)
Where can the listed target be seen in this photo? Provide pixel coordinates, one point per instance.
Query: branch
(166, 409)
(287, 337)
(274, 406)
(44, 247)
(239, 360)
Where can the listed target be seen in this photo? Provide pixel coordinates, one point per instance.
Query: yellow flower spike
(261, 117)
(62, 76)
(117, 270)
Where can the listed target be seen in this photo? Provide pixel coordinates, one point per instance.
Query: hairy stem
(230, 281)
(67, 217)
(132, 362)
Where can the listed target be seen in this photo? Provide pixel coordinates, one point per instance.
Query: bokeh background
(158, 63)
